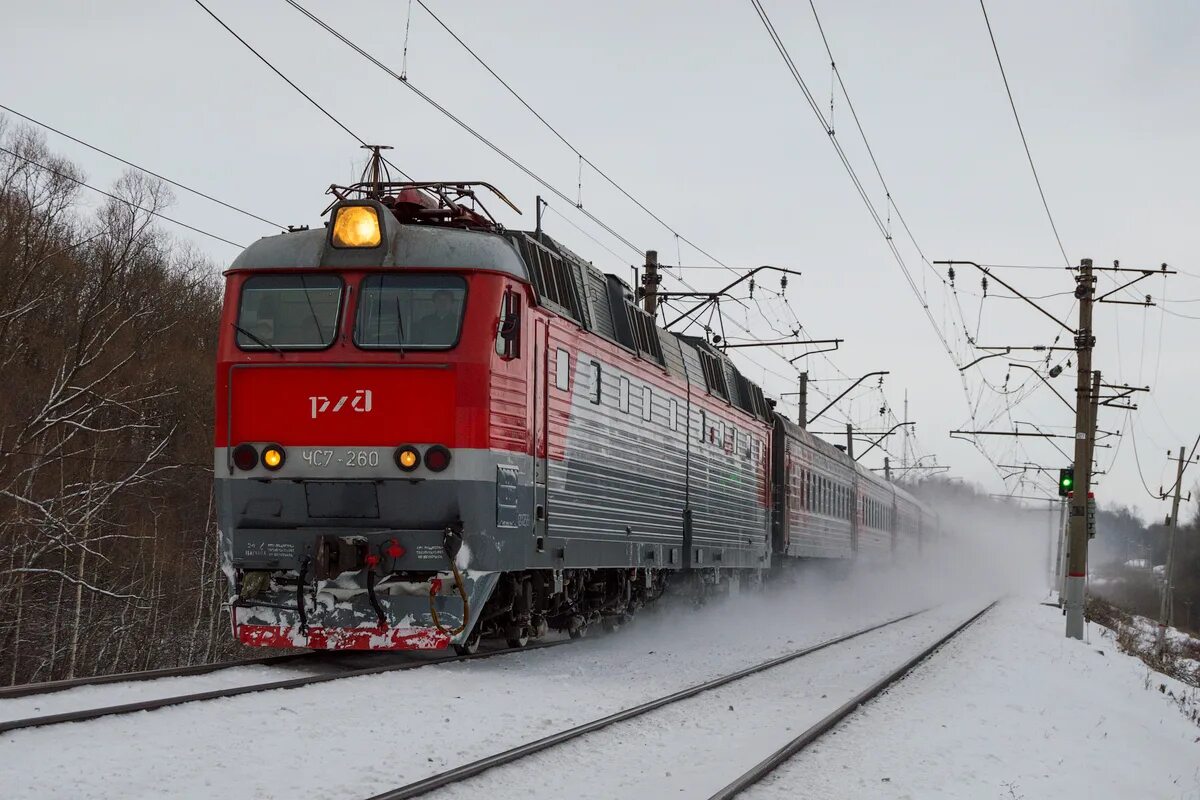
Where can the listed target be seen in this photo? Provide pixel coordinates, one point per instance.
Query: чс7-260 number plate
(346, 458)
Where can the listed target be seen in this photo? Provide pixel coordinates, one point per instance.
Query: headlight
(273, 457)
(356, 226)
(408, 458)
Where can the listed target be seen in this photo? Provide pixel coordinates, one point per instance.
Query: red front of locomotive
(357, 444)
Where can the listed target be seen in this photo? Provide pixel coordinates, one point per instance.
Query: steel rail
(474, 768)
(783, 754)
(49, 687)
(235, 691)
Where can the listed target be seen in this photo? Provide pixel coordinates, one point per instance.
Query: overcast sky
(689, 107)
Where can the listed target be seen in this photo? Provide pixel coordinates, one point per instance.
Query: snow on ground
(695, 747)
(1010, 709)
(360, 736)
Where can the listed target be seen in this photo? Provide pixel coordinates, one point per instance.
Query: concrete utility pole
(1084, 433)
(887, 469)
(1059, 562)
(1164, 613)
(803, 416)
(850, 440)
(650, 283)
(1050, 541)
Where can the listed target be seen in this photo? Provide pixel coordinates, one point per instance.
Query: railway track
(49, 687)
(474, 768)
(777, 759)
(83, 715)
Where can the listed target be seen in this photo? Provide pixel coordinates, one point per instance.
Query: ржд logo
(360, 402)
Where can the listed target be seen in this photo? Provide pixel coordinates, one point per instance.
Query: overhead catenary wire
(582, 158)
(112, 196)
(140, 168)
(292, 83)
(777, 41)
(1021, 129)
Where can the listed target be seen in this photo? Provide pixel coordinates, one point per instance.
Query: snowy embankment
(1010, 709)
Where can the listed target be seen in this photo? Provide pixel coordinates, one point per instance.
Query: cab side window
(508, 330)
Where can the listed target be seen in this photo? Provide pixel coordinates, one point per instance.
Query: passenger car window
(623, 395)
(410, 311)
(647, 403)
(597, 386)
(289, 311)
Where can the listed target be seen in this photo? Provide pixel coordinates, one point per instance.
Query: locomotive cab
(357, 441)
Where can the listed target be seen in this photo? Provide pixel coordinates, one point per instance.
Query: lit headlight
(273, 457)
(356, 226)
(408, 458)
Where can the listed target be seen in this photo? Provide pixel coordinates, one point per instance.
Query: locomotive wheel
(577, 627)
(611, 624)
(520, 639)
(471, 646)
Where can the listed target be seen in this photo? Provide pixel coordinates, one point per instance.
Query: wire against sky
(291, 83)
(140, 168)
(149, 211)
(566, 142)
(777, 41)
(1021, 129)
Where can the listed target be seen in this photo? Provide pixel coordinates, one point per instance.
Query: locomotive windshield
(410, 311)
(289, 311)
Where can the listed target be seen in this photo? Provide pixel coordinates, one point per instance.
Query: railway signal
(1066, 481)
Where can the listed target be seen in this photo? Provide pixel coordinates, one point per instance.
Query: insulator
(783, 283)
(752, 288)
(950, 275)
(985, 287)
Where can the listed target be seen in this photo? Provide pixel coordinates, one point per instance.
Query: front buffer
(371, 590)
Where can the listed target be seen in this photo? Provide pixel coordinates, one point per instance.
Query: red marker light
(372, 561)
(245, 457)
(394, 549)
(437, 458)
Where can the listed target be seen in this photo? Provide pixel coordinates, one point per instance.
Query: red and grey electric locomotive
(432, 429)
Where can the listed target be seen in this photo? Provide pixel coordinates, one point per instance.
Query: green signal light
(1066, 481)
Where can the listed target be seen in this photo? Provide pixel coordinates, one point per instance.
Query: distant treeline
(108, 557)
(1128, 560)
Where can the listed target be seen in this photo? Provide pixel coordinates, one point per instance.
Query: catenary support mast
(1084, 432)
